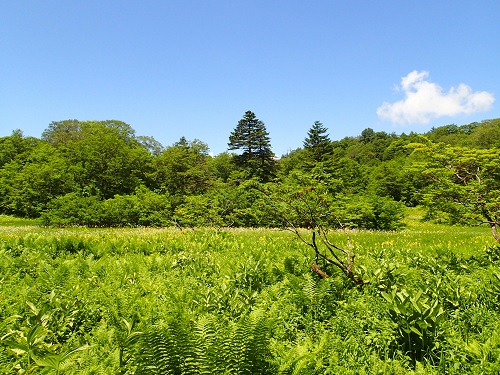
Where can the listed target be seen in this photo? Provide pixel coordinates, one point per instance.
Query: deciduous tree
(306, 208)
(464, 183)
(107, 153)
(182, 168)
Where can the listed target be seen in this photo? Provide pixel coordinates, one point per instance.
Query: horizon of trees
(485, 137)
(100, 173)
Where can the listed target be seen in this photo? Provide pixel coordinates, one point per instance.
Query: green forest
(101, 174)
(373, 254)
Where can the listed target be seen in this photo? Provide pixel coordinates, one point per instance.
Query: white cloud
(425, 100)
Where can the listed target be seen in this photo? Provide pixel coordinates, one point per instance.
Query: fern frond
(237, 346)
(164, 350)
(207, 356)
(210, 346)
(309, 289)
(259, 352)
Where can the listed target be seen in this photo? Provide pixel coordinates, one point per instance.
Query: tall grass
(147, 299)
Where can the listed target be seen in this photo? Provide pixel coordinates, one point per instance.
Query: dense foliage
(464, 184)
(100, 173)
(183, 293)
(172, 301)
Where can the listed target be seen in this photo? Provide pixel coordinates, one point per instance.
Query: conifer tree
(318, 142)
(251, 136)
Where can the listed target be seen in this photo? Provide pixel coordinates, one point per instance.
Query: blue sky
(192, 68)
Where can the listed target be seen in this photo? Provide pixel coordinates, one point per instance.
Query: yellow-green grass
(105, 275)
(11, 221)
(417, 236)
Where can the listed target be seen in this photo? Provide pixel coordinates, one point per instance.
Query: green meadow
(245, 301)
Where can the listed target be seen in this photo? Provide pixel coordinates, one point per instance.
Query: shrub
(72, 209)
(369, 212)
(144, 208)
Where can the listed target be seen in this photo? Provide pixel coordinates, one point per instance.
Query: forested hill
(100, 173)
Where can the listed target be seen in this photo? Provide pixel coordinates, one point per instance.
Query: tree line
(100, 173)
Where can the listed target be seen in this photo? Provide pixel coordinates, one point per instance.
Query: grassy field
(239, 301)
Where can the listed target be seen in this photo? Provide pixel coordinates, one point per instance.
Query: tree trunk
(494, 232)
(316, 269)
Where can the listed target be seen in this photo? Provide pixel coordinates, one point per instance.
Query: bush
(369, 212)
(144, 208)
(227, 206)
(304, 201)
(72, 209)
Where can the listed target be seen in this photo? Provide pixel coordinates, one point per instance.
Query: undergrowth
(170, 301)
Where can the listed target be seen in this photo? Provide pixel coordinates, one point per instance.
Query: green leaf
(415, 330)
(415, 305)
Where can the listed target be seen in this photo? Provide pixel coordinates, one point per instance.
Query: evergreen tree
(318, 143)
(251, 136)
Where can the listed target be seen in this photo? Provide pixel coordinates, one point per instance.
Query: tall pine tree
(251, 136)
(318, 143)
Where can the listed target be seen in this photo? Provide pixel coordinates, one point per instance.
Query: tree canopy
(464, 184)
(78, 168)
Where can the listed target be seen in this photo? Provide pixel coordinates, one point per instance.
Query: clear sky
(173, 68)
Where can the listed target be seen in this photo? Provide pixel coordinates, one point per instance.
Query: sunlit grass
(417, 236)
(11, 221)
(159, 273)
